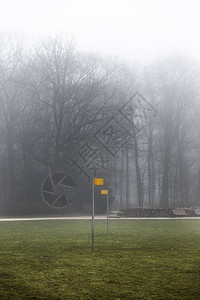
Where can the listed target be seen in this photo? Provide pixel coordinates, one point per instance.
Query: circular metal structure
(59, 190)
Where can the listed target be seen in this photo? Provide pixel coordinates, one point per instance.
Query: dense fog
(55, 100)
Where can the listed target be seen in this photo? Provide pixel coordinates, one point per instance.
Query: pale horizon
(137, 30)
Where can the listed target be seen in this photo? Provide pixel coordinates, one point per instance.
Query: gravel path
(90, 218)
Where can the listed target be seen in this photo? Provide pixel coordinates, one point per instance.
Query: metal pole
(107, 212)
(93, 214)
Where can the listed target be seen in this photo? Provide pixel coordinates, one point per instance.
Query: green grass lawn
(139, 259)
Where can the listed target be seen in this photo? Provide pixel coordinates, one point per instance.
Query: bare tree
(172, 85)
(14, 72)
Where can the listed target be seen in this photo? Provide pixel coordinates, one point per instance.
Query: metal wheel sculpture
(59, 190)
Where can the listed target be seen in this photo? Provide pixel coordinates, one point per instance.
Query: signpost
(105, 192)
(95, 181)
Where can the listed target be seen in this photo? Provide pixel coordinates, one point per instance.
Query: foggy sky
(138, 30)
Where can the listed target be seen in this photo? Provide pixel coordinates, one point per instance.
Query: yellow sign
(98, 181)
(104, 192)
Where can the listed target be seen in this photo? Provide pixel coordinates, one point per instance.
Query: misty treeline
(53, 96)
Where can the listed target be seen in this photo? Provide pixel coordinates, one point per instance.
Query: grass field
(139, 259)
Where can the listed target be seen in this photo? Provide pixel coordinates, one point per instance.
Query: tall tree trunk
(138, 175)
(121, 179)
(11, 168)
(151, 174)
(127, 177)
(164, 197)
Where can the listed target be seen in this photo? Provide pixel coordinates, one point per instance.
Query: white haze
(138, 30)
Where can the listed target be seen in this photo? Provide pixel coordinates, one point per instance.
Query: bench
(114, 214)
(197, 212)
(177, 212)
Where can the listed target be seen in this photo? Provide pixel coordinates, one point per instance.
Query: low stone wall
(153, 213)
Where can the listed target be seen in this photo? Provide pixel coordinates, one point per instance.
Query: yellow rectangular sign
(104, 192)
(98, 181)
